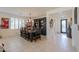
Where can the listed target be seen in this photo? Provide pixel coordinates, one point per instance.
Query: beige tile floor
(58, 44)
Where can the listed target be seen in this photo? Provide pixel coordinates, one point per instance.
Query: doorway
(63, 26)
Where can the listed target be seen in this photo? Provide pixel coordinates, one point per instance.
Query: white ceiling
(25, 11)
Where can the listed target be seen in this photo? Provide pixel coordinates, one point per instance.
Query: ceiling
(27, 11)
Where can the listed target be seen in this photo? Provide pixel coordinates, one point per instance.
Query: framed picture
(51, 23)
(4, 23)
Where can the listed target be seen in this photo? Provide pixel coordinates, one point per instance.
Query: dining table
(31, 34)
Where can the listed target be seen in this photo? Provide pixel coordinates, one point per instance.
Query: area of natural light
(16, 23)
(64, 26)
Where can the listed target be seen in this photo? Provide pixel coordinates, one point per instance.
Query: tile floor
(17, 44)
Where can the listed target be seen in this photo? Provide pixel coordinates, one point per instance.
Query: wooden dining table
(31, 34)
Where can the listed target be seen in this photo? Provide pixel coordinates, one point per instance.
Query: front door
(64, 26)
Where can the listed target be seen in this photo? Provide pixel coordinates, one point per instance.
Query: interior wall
(56, 21)
(78, 22)
(78, 27)
(76, 31)
(5, 33)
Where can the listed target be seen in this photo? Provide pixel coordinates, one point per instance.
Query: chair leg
(40, 37)
(35, 39)
(31, 40)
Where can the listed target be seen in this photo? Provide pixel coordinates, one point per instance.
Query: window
(16, 23)
(12, 23)
(23, 24)
(20, 23)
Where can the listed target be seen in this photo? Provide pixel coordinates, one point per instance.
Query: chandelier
(30, 20)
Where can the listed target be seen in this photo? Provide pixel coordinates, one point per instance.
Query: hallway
(60, 43)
